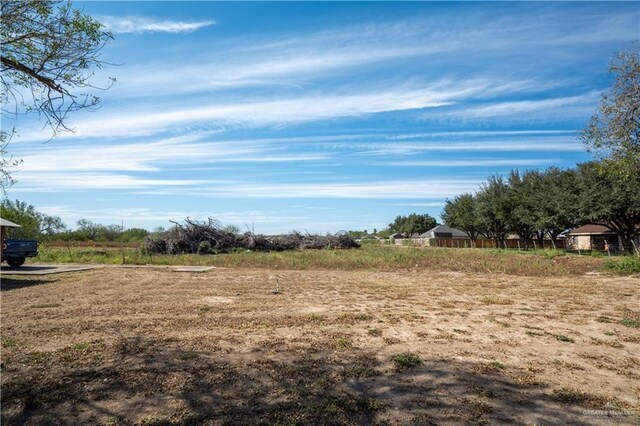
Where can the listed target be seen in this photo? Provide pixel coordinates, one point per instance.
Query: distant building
(593, 237)
(443, 231)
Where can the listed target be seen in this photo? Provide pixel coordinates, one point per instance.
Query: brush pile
(209, 237)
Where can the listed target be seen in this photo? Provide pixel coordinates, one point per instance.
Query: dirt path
(152, 346)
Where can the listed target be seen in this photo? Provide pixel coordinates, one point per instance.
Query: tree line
(413, 223)
(537, 204)
(43, 227)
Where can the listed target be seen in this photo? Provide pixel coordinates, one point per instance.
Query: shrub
(625, 265)
(204, 247)
(405, 361)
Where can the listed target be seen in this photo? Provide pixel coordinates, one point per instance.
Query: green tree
(87, 230)
(555, 202)
(413, 223)
(33, 224)
(133, 234)
(494, 209)
(357, 234)
(611, 200)
(109, 232)
(51, 226)
(522, 198)
(613, 133)
(48, 51)
(461, 213)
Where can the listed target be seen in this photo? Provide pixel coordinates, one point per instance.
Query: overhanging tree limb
(13, 64)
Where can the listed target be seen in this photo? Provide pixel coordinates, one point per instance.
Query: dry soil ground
(151, 346)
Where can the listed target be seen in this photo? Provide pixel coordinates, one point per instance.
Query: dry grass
(544, 263)
(150, 346)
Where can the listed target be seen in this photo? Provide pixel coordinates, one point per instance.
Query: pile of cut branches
(205, 237)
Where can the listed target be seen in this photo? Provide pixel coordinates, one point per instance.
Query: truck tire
(15, 262)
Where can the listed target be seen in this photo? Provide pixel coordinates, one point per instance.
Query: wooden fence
(480, 243)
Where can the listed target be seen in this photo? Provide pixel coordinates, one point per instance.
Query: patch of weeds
(369, 404)
(489, 368)
(479, 408)
(45, 305)
(392, 340)
(205, 308)
(578, 396)
(497, 365)
(604, 319)
(534, 334)
(531, 327)
(376, 332)
(350, 403)
(405, 361)
(186, 356)
(315, 318)
(563, 338)
(630, 322)
(495, 300)
(612, 343)
(81, 346)
(457, 330)
(342, 343)
(34, 358)
(113, 421)
(527, 379)
(625, 265)
(570, 396)
(9, 342)
(363, 317)
(361, 372)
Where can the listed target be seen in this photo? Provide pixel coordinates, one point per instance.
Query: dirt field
(151, 346)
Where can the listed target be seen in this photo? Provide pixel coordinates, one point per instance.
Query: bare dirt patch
(148, 346)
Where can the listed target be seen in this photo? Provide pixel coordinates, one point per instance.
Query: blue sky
(320, 117)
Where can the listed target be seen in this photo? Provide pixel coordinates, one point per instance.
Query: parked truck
(15, 252)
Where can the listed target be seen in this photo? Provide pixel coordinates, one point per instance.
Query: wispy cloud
(412, 148)
(291, 69)
(277, 112)
(141, 24)
(567, 106)
(153, 156)
(396, 189)
(58, 182)
(472, 162)
(481, 133)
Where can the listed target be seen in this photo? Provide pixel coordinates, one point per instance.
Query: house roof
(397, 235)
(591, 230)
(8, 224)
(444, 229)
